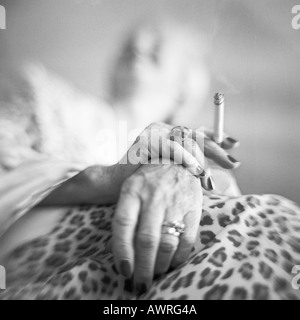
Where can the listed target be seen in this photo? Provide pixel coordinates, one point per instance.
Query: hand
(101, 185)
(152, 195)
(188, 151)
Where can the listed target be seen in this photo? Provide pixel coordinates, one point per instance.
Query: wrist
(97, 185)
(94, 185)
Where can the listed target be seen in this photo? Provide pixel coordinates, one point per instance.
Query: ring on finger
(175, 228)
(179, 133)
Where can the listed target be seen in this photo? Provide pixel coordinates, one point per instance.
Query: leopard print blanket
(247, 248)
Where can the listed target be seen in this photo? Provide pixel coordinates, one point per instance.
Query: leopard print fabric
(246, 249)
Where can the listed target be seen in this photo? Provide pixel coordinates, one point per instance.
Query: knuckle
(157, 194)
(214, 147)
(143, 270)
(120, 250)
(190, 143)
(121, 219)
(167, 246)
(188, 242)
(129, 182)
(129, 192)
(130, 186)
(143, 136)
(155, 125)
(192, 215)
(158, 128)
(144, 139)
(146, 241)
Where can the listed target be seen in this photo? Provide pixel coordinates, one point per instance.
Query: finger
(167, 248)
(206, 178)
(184, 157)
(228, 142)
(192, 147)
(148, 145)
(188, 238)
(124, 224)
(210, 184)
(185, 140)
(213, 151)
(146, 245)
(207, 181)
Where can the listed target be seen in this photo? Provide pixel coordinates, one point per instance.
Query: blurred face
(158, 72)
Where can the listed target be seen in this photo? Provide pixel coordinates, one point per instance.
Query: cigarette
(218, 135)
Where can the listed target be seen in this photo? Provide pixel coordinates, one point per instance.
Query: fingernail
(232, 159)
(210, 183)
(141, 288)
(125, 268)
(201, 173)
(231, 140)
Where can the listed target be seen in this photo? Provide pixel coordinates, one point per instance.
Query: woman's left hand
(155, 194)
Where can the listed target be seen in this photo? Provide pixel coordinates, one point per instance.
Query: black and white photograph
(149, 150)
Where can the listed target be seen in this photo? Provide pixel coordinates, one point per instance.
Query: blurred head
(160, 72)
